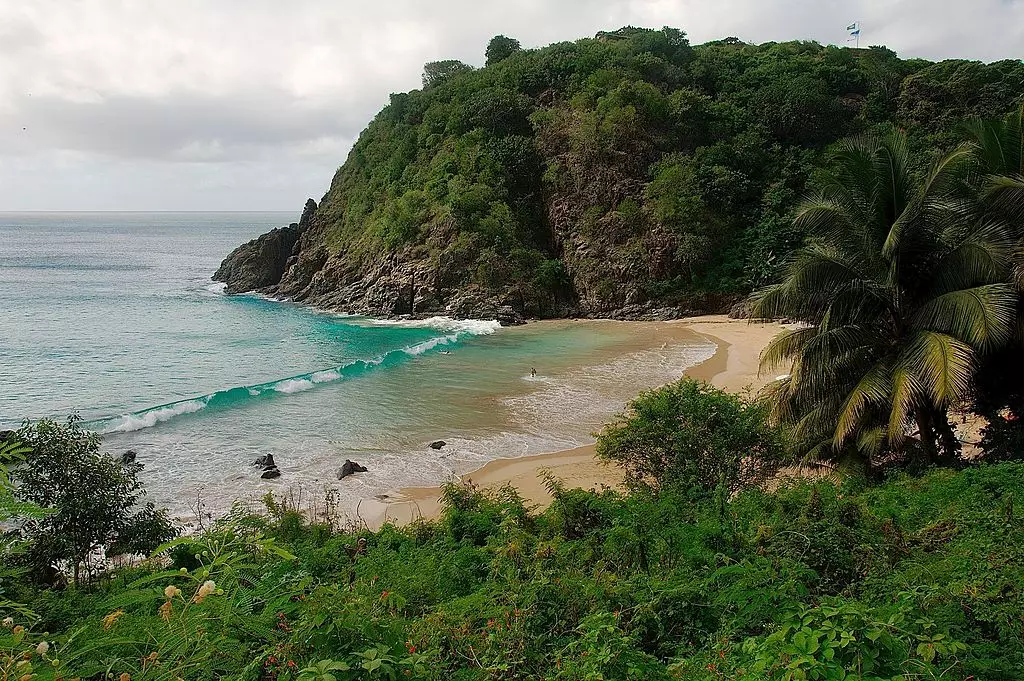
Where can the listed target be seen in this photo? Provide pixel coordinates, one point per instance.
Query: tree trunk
(926, 431)
(950, 450)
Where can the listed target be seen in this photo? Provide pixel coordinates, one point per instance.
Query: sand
(733, 367)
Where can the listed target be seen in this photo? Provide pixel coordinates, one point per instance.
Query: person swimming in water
(533, 373)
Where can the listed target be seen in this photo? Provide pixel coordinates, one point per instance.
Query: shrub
(95, 500)
(691, 438)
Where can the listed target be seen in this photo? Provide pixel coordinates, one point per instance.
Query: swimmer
(533, 373)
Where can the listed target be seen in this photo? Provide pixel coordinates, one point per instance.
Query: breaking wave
(229, 397)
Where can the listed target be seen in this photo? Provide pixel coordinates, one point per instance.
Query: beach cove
(734, 367)
(155, 358)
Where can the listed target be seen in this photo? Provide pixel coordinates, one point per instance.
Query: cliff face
(629, 175)
(260, 263)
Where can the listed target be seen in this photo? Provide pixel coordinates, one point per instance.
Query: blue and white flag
(854, 28)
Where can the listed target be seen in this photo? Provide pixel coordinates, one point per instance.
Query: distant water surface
(113, 316)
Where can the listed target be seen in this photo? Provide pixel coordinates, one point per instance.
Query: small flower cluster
(19, 665)
(171, 592)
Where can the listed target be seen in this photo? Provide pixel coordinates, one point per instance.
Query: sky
(253, 104)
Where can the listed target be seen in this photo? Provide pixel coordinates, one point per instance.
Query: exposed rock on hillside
(259, 263)
(631, 176)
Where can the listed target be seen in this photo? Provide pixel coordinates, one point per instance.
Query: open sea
(113, 316)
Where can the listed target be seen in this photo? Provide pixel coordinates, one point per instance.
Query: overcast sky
(252, 104)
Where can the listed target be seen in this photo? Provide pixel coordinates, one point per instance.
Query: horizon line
(143, 210)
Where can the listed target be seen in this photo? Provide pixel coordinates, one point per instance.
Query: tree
(501, 48)
(94, 499)
(998, 146)
(437, 72)
(900, 289)
(692, 438)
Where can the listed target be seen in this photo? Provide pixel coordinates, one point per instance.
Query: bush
(95, 500)
(691, 438)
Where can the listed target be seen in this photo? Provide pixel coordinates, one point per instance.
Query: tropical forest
(854, 519)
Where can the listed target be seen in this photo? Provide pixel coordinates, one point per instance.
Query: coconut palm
(900, 289)
(998, 147)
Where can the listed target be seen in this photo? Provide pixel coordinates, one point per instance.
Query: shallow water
(113, 316)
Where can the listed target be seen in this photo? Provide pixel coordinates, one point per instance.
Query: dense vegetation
(907, 283)
(906, 277)
(628, 167)
(917, 578)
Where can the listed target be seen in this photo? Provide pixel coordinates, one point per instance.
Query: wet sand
(733, 367)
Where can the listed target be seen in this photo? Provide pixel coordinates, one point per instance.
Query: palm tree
(899, 289)
(998, 147)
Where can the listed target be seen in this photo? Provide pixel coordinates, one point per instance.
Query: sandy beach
(733, 367)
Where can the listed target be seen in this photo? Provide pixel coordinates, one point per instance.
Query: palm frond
(944, 365)
(1006, 194)
(982, 316)
(981, 257)
(872, 389)
(906, 393)
(785, 346)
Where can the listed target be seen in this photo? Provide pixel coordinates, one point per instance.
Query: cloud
(261, 99)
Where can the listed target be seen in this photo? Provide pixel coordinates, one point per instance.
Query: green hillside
(587, 176)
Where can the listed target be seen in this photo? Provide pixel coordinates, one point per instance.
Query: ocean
(113, 316)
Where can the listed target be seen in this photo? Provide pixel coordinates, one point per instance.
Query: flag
(853, 27)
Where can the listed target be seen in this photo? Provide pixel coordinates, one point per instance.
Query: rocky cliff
(630, 175)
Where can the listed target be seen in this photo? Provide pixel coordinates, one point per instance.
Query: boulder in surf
(348, 468)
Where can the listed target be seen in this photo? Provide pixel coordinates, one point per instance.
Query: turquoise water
(113, 316)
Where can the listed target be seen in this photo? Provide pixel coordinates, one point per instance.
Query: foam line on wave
(147, 418)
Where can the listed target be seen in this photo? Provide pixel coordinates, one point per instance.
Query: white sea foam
(475, 327)
(430, 344)
(325, 376)
(147, 419)
(292, 385)
(216, 287)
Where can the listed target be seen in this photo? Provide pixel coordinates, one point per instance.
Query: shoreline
(733, 367)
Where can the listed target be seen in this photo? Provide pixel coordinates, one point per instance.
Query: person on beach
(533, 373)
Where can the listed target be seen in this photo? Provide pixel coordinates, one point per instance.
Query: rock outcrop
(348, 468)
(260, 263)
(268, 466)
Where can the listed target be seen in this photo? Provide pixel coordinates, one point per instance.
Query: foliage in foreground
(96, 501)
(913, 579)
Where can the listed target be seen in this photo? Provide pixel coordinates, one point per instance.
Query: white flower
(207, 588)
(42, 647)
(8, 622)
(171, 591)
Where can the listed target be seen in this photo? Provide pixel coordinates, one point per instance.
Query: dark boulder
(265, 461)
(259, 263)
(129, 457)
(348, 468)
(507, 316)
(437, 444)
(269, 466)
